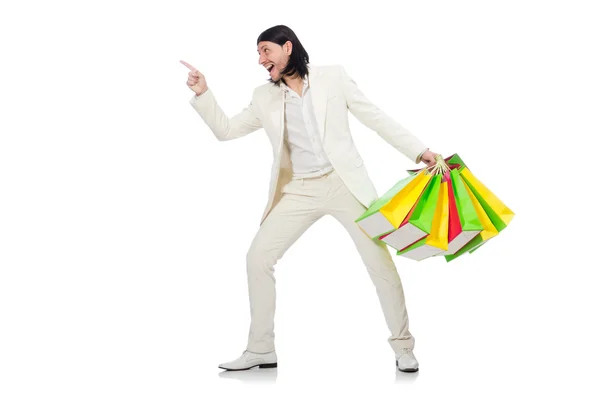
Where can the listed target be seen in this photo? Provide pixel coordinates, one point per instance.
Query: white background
(124, 223)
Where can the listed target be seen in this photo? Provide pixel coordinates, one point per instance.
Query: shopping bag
(417, 224)
(492, 213)
(500, 214)
(464, 223)
(437, 240)
(489, 229)
(388, 212)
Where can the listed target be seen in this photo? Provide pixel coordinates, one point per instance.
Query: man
(316, 171)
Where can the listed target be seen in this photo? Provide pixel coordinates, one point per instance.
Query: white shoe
(250, 360)
(406, 361)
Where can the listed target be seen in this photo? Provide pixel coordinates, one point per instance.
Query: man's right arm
(373, 117)
(225, 128)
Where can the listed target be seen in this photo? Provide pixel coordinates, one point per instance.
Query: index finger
(190, 67)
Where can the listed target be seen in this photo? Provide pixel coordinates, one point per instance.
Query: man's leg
(292, 216)
(381, 268)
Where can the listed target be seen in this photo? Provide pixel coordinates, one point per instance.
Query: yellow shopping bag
(396, 210)
(387, 213)
(496, 210)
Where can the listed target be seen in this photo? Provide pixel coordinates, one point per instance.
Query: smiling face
(274, 57)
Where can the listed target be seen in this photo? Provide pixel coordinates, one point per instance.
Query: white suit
(294, 205)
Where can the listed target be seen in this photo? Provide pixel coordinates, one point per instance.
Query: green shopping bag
(437, 240)
(489, 231)
(494, 207)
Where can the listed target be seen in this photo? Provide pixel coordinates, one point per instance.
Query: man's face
(274, 57)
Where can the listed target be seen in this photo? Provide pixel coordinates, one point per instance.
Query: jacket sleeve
(374, 118)
(225, 128)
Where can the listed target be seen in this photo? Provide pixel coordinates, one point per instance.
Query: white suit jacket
(334, 93)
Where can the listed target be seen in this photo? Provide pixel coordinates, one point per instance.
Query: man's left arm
(374, 118)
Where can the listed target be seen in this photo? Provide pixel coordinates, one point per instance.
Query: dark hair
(280, 34)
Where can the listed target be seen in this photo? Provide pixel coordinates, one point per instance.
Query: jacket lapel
(319, 98)
(276, 111)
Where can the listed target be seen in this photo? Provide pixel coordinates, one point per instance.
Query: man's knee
(375, 251)
(260, 259)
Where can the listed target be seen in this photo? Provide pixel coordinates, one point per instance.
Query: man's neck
(295, 83)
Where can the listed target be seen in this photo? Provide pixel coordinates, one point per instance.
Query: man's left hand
(429, 158)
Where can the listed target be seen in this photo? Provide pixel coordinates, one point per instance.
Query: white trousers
(304, 201)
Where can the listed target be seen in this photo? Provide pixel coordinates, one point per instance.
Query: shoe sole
(408, 370)
(272, 365)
